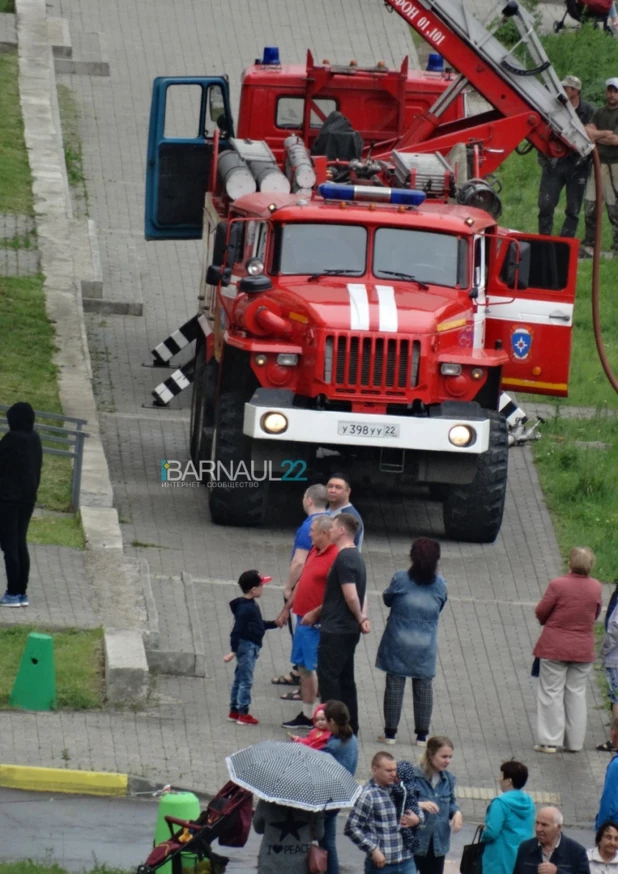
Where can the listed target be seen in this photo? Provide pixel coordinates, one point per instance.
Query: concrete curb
(63, 780)
(54, 225)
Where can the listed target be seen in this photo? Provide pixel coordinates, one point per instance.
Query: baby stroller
(227, 818)
(596, 11)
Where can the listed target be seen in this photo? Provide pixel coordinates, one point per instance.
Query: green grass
(15, 180)
(78, 656)
(7, 5)
(581, 486)
(30, 867)
(27, 371)
(57, 531)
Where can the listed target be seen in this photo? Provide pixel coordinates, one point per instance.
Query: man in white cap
(570, 172)
(603, 131)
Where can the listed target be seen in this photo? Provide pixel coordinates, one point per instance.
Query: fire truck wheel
(202, 407)
(473, 513)
(231, 504)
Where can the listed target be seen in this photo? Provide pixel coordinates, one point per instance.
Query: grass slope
(15, 180)
(580, 482)
(78, 656)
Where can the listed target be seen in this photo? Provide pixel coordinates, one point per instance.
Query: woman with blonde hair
(436, 798)
(567, 612)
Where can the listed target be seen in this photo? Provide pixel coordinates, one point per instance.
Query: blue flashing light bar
(371, 194)
(271, 56)
(435, 63)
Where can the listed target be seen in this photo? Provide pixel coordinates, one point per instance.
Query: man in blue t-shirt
(339, 490)
(315, 503)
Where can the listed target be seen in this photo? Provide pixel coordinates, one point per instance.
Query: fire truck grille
(371, 365)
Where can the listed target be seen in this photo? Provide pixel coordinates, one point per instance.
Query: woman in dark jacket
(409, 644)
(21, 458)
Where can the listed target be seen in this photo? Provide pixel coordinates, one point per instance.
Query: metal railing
(71, 437)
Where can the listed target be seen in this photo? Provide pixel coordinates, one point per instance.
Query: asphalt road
(78, 832)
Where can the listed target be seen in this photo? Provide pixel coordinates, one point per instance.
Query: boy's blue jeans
(246, 657)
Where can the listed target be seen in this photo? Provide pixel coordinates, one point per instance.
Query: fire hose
(596, 317)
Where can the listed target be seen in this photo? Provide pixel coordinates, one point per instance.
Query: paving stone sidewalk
(485, 697)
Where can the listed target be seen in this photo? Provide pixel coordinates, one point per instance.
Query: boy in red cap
(246, 642)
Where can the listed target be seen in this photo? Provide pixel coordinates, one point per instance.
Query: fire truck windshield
(322, 248)
(433, 258)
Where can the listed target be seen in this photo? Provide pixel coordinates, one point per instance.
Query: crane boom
(527, 98)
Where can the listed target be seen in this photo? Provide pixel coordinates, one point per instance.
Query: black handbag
(472, 856)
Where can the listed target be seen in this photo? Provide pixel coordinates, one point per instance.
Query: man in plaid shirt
(373, 824)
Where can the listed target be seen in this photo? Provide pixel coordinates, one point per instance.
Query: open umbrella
(293, 775)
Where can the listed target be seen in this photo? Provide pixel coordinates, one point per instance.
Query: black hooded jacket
(21, 457)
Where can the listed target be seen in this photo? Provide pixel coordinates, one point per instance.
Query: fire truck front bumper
(457, 427)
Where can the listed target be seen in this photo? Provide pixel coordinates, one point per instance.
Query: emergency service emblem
(521, 343)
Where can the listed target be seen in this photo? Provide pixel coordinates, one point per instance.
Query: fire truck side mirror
(225, 252)
(216, 275)
(515, 270)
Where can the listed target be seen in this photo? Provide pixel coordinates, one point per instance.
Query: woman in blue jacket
(409, 644)
(437, 800)
(509, 820)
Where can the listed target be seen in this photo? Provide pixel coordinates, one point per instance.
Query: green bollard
(35, 683)
(181, 805)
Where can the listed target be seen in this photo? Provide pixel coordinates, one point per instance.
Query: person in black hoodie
(21, 458)
(246, 642)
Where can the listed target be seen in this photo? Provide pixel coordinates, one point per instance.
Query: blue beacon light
(271, 56)
(371, 194)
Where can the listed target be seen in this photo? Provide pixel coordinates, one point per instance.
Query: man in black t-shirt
(343, 618)
(569, 172)
(603, 131)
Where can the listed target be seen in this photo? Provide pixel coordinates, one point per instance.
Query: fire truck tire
(202, 406)
(473, 513)
(229, 505)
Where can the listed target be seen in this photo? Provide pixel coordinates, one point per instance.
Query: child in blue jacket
(246, 642)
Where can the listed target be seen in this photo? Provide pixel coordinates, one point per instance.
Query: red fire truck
(360, 306)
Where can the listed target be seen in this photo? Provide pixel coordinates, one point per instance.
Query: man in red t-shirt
(305, 602)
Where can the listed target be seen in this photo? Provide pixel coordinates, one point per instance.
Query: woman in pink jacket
(567, 612)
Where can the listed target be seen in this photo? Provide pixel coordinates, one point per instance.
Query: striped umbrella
(293, 775)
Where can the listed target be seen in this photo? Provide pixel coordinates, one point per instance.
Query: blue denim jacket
(437, 825)
(410, 640)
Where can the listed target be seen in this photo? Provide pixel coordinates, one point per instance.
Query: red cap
(265, 579)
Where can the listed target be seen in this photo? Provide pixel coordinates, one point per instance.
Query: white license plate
(361, 429)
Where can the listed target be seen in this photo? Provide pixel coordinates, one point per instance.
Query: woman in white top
(603, 857)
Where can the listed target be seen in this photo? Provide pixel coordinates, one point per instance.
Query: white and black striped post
(172, 345)
(169, 389)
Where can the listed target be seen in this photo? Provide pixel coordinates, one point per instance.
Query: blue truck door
(184, 114)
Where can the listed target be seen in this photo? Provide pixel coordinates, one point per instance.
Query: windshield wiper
(333, 271)
(407, 276)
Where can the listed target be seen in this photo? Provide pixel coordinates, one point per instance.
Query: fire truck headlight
(450, 369)
(254, 266)
(286, 359)
(274, 423)
(461, 435)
